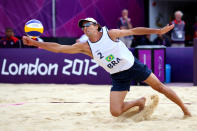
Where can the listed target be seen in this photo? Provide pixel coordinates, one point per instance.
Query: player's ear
(97, 27)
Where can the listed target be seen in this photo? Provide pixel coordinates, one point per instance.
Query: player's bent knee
(116, 113)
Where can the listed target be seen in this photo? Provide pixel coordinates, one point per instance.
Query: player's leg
(118, 106)
(155, 83)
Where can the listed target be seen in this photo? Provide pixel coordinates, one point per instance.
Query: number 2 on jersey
(100, 54)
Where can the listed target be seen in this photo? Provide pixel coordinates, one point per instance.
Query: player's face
(89, 27)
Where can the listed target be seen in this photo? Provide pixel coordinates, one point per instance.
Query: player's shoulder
(114, 32)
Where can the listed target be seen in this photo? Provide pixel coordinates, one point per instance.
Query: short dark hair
(9, 28)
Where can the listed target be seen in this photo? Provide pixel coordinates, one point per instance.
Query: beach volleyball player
(110, 53)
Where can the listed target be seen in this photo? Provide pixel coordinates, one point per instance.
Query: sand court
(51, 107)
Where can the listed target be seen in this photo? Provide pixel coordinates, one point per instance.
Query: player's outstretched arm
(140, 31)
(51, 46)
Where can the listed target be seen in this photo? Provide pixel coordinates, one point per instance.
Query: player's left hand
(166, 29)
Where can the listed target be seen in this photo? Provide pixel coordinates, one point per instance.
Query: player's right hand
(28, 41)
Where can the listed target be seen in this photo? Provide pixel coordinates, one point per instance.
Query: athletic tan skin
(117, 104)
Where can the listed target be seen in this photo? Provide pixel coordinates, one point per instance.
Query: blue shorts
(121, 81)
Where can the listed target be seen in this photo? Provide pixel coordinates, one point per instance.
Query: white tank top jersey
(113, 56)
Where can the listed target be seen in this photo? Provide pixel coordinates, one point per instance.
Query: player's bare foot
(141, 103)
(187, 113)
